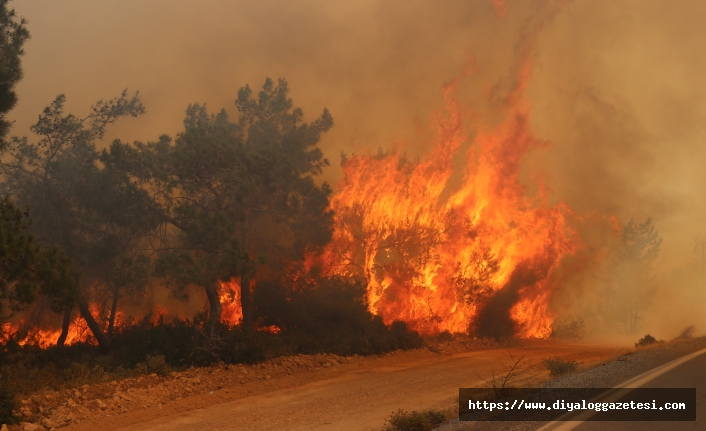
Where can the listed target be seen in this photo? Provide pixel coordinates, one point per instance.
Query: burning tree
(229, 193)
(77, 206)
(480, 255)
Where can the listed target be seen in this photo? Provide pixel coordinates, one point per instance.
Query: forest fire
(47, 337)
(478, 257)
(475, 257)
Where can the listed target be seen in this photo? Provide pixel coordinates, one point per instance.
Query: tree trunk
(245, 300)
(113, 310)
(65, 327)
(214, 301)
(246, 325)
(103, 344)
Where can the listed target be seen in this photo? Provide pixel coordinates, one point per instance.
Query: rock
(125, 397)
(188, 389)
(101, 405)
(26, 426)
(268, 377)
(71, 403)
(25, 402)
(59, 418)
(4, 428)
(49, 423)
(195, 380)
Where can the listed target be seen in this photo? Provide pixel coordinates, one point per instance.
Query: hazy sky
(617, 87)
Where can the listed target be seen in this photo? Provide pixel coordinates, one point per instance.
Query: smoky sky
(617, 87)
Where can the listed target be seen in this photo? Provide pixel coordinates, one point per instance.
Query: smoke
(616, 88)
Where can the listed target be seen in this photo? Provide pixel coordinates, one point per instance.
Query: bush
(328, 315)
(688, 332)
(325, 316)
(558, 366)
(569, 328)
(7, 404)
(424, 420)
(646, 341)
(153, 364)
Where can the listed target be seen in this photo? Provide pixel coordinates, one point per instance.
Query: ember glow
(479, 256)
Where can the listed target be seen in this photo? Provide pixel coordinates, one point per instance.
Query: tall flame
(440, 257)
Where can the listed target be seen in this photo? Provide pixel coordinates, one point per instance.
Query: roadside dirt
(320, 392)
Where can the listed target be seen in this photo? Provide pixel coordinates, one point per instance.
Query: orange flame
(44, 338)
(441, 257)
(232, 312)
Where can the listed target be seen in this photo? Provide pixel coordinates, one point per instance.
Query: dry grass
(558, 366)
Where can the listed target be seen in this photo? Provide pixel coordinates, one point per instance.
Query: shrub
(325, 316)
(558, 366)
(424, 420)
(153, 364)
(569, 328)
(444, 336)
(688, 332)
(7, 404)
(646, 341)
(328, 315)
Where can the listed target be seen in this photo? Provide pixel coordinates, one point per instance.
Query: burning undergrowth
(328, 318)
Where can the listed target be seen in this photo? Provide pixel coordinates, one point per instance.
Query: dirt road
(358, 395)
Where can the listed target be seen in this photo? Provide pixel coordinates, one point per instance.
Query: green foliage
(646, 341)
(558, 366)
(423, 420)
(27, 270)
(13, 35)
(232, 190)
(77, 206)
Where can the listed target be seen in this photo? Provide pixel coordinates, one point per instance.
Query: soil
(305, 392)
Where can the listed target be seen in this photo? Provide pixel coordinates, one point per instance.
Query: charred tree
(65, 323)
(103, 342)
